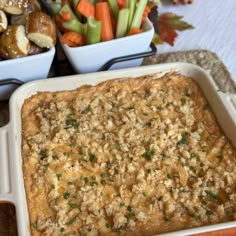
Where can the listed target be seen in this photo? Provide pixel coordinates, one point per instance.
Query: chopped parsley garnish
(103, 182)
(148, 154)
(62, 230)
(212, 195)
(81, 152)
(86, 180)
(92, 157)
(111, 180)
(71, 123)
(206, 106)
(183, 100)
(166, 218)
(169, 176)
(159, 108)
(149, 171)
(129, 208)
(71, 222)
(220, 157)
(144, 194)
(192, 169)
(35, 225)
(94, 183)
(159, 198)
(145, 113)
(59, 176)
(53, 186)
(122, 204)
(163, 154)
(208, 212)
(184, 139)
(193, 155)
(73, 205)
(108, 225)
(42, 154)
(204, 202)
(87, 109)
(66, 195)
(70, 183)
(83, 159)
(103, 175)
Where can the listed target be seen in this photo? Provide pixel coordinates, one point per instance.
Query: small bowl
(24, 69)
(91, 58)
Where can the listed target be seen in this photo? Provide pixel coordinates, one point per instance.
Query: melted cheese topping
(126, 157)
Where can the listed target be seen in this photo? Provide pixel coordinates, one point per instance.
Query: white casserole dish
(25, 69)
(11, 181)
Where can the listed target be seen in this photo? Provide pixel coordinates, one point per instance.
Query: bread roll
(14, 43)
(14, 7)
(30, 6)
(3, 21)
(41, 29)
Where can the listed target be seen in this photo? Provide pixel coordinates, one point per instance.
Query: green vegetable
(148, 154)
(114, 8)
(92, 157)
(122, 24)
(73, 205)
(132, 6)
(93, 30)
(137, 20)
(74, 25)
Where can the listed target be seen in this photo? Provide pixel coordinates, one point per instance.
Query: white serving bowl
(90, 58)
(24, 69)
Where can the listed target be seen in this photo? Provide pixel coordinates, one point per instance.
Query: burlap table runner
(206, 59)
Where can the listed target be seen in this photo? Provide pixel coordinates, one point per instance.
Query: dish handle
(6, 194)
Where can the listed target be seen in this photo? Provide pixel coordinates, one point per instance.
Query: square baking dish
(11, 181)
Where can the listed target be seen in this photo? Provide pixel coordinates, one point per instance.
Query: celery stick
(67, 8)
(132, 6)
(114, 8)
(93, 30)
(137, 20)
(122, 24)
(55, 7)
(74, 25)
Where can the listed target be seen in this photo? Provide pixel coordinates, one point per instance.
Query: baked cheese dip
(131, 156)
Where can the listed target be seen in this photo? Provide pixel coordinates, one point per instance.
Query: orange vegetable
(121, 3)
(85, 8)
(63, 2)
(103, 14)
(134, 30)
(66, 16)
(59, 21)
(145, 13)
(73, 39)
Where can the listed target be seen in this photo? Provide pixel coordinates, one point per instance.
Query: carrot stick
(66, 16)
(145, 13)
(59, 21)
(134, 30)
(121, 3)
(73, 39)
(85, 8)
(102, 13)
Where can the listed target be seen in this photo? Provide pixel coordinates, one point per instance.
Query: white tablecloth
(215, 29)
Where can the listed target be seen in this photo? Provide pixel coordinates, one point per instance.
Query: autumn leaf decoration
(166, 25)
